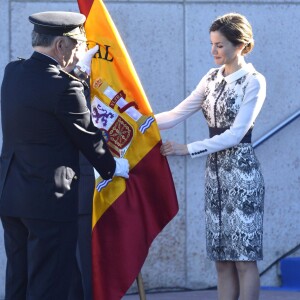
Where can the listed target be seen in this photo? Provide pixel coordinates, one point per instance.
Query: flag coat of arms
(127, 213)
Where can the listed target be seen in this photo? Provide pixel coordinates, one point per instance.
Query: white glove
(122, 167)
(96, 174)
(84, 63)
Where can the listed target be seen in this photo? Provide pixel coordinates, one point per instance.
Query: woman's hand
(172, 148)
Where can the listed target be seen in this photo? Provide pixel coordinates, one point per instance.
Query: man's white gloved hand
(84, 63)
(96, 174)
(122, 167)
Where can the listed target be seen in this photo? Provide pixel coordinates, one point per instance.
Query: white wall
(169, 44)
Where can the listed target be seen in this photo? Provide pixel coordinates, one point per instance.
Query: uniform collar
(236, 75)
(45, 58)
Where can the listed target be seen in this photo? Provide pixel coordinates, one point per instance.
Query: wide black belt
(216, 131)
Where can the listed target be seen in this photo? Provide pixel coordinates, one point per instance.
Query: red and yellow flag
(127, 214)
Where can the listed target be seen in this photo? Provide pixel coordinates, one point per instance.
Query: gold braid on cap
(78, 34)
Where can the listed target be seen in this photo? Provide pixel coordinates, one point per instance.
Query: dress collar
(237, 74)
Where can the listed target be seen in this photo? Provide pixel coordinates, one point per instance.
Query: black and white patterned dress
(234, 188)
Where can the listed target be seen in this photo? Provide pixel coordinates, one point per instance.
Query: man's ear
(59, 44)
(57, 49)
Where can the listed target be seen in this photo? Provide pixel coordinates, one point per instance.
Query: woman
(230, 98)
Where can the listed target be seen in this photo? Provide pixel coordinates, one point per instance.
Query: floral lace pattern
(234, 189)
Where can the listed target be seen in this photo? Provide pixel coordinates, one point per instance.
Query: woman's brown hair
(236, 28)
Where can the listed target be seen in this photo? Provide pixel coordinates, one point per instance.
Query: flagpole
(140, 285)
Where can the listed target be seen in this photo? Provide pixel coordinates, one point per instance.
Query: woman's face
(223, 51)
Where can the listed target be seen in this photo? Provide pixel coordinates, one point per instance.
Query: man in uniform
(81, 284)
(45, 124)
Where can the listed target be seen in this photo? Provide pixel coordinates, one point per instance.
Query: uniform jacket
(45, 122)
(87, 177)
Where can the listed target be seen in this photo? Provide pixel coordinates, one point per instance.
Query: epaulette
(20, 58)
(73, 77)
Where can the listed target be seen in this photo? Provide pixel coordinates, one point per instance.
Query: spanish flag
(127, 213)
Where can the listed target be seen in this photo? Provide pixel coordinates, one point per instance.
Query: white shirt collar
(237, 74)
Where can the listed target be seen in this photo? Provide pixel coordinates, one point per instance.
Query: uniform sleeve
(182, 111)
(255, 95)
(75, 117)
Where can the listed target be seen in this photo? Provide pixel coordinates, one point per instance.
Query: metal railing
(259, 142)
(277, 129)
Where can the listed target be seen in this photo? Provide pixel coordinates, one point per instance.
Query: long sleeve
(74, 115)
(253, 100)
(182, 111)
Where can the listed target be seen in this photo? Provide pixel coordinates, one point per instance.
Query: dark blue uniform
(81, 285)
(45, 123)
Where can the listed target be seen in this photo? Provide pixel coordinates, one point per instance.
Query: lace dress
(234, 185)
